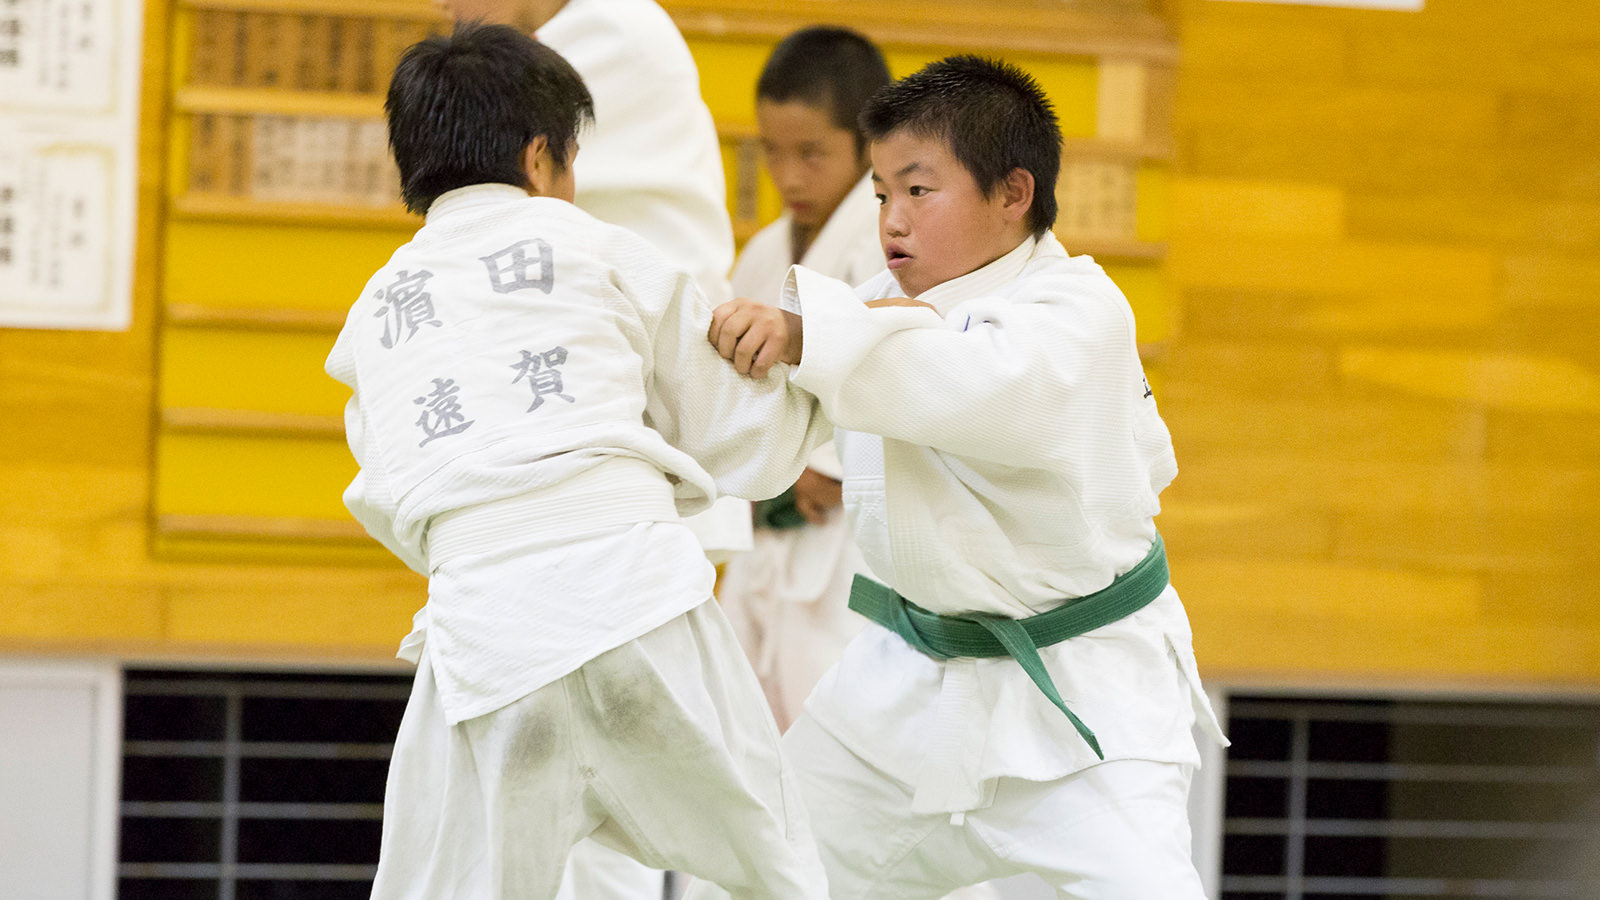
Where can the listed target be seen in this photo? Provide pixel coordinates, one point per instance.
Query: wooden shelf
(244, 209)
(251, 422)
(251, 319)
(734, 132)
(1118, 250)
(1014, 27)
(262, 528)
(409, 10)
(1115, 151)
(745, 229)
(242, 101)
(277, 102)
(994, 26)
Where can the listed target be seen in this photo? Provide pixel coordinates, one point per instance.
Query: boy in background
(786, 597)
(1026, 699)
(532, 407)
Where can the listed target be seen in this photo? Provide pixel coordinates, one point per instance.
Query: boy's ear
(536, 165)
(1016, 191)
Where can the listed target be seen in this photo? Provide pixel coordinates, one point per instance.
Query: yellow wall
(76, 569)
(145, 448)
(1380, 371)
(1385, 393)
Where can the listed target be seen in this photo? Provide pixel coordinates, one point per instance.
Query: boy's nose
(788, 179)
(892, 222)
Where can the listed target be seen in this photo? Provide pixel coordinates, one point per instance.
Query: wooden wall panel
(266, 265)
(64, 613)
(273, 372)
(276, 170)
(219, 474)
(1146, 288)
(1502, 219)
(730, 90)
(1214, 206)
(1380, 372)
(174, 491)
(1238, 530)
(1346, 425)
(1383, 387)
(1343, 110)
(301, 615)
(1250, 49)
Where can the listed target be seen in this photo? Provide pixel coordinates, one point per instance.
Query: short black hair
(993, 116)
(462, 110)
(828, 67)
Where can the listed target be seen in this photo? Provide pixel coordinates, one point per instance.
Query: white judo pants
(662, 749)
(1115, 831)
(596, 872)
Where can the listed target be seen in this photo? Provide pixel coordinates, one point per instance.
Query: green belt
(983, 635)
(781, 513)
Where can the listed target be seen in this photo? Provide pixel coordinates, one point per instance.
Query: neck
(533, 14)
(800, 238)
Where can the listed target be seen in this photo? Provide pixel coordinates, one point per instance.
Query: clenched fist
(755, 337)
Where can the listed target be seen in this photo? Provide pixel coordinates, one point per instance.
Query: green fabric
(983, 635)
(780, 513)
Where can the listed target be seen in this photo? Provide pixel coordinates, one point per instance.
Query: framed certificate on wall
(69, 118)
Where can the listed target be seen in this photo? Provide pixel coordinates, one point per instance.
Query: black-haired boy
(1027, 705)
(533, 406)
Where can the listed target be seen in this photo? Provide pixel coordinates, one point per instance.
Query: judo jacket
(534, 404)
(1002, 454)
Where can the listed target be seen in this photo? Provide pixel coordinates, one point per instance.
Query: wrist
(795, 348)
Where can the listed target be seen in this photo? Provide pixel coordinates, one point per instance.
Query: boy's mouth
(895, 256)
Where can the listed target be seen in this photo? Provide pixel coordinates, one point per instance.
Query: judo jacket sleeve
(752, 435)
(1017, 379)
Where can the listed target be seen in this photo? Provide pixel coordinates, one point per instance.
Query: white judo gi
(534, 404)
(652, 163)
(786, 597)
(1019, 463)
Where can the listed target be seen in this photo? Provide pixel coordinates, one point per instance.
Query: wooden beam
(243, 209)
(997, 27)
(1121, 250)
(994, 26)
(409, 10)
(268, 528)
(1116, 151)
(252, 319)
(251, 422)
(277, 102)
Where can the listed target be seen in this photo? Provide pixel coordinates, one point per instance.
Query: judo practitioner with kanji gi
(652, 163)
(533, 409)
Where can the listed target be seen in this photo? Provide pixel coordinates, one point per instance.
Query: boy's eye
(881, 199)
(917, 190)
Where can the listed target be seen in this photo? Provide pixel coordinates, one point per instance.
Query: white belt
(615, 493)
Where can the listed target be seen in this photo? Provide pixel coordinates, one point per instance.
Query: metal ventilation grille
(1405, 799)
(254, 786)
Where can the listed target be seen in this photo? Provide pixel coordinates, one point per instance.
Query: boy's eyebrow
(900, 174)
